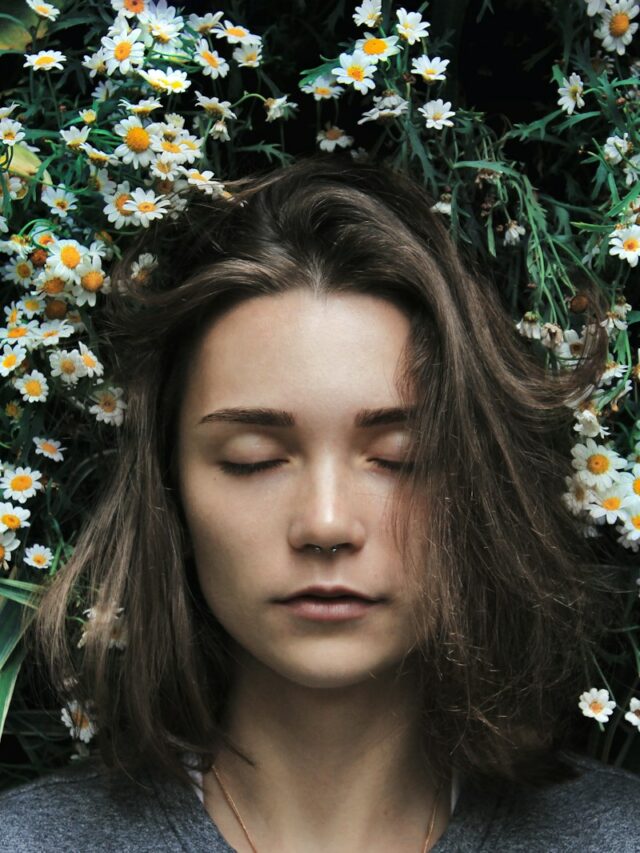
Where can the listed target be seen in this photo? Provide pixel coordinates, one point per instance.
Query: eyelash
(243, 470)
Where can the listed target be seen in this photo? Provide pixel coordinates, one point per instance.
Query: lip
(329, 609)
(330, 592)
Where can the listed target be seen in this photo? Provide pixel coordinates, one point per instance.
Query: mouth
(334, 608)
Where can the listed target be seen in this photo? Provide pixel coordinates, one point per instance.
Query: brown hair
(508, 598)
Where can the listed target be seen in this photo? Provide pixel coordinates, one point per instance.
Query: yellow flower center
(21, 483)
(631, 244)
(137, 139)
(596, 707)
(171, 147)
(31, 304)
(89, 360)
(53, 285)
(10, 360)
(8, 135)
(240, 32)
(108, 403)
(619, 24)
(42, 9)
(92, 280)
(356, 72)
(636, 485)
(43, 61)
(33, 387)
(136, 6)
(213, 61)
(122, 51)
(70, 256)
(40, 559)
(50, 448)
(119, 203)
(598, 463)
(12, 410)
(323, 90)
(23, 270)
(68, 365)
(10, 520)
(635, 520)
(333, 133)
(18, 332)
(60, 203)
(2, 553)
(146, 206)
(98, 157)
(197, 176)
(375, 46)
(611, 503)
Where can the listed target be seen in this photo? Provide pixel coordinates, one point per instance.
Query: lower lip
(329, 610)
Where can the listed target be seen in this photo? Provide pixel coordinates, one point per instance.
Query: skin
(327, 710)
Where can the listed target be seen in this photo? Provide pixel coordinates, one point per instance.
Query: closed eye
(244, 469)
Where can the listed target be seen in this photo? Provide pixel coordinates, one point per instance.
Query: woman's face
(322, 360)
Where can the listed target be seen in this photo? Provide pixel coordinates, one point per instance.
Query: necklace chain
(234, 809)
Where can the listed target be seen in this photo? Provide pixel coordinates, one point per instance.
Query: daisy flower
(50, 448)
(11, 131)
(38, 556)
(64, 259)
(32, 305)
(571, 93)
(279, 107)
(6, 111)
(437, 113)
(81, 725)
(633, 714)
(146, 206)
(165, 167)
(143, 108)
(322, 88)
(13, 517)
(219, 131)
(18, 270)
(248, 55)
(629, 530)
(410, 26)
(136, 146)
(596, 464)
(11, 358)
(59, 200)
(234, 33)
(357, 70)
(95, 63)
(616, 147)
(104, 90)
(110, 406)
(91, 279)
(92, 367)
(213, 64)
(129, 8)
(626, 244)
(142, 268)
(578, 496)
(115, 206)
(67, 365)
(45, 10)
(588, 424)
(45, 60)
(369, 14)
(54, 330)
(75, 137)
(331, 136)
(166, 81)
(162, 26)
(203, 24)
(616, 29)
(20, 484)
(429, 69)
(100, 181)
(24, 333)
(596, 703)
(386, 106)
(122, 50)
(203, 181)
(609, 505)
(376, 47)
(513, 232)
(33, 387)
(529, 326)
(8, 543)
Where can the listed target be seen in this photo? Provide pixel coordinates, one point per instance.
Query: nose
(328, 511)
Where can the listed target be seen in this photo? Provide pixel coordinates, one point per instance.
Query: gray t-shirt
(81, 810)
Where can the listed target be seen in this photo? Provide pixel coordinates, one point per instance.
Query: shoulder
(597, 810)
(76, 809)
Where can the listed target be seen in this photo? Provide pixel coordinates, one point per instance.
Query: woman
(357, 613)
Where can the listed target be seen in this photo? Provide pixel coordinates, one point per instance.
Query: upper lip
(329, 592)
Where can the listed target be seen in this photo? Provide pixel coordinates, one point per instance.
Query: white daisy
(588, 425)
(377, 47)
(629, 530)
(115, 206)
(92, 279)
(21, 333)
(331, 137)
(214, 106)
(129, 8)
(410, 26)
(610, 505)
(33, 387)
(529, 326)
(213, 64)
(513, 232)
(357, 70)
(368, 14)
(38, 556)
(64, 259)
(203, 24)
(8, 543)
(143, 107)
(323, 88)
(78, 721)
(578, 496)
(203, 181)
(597, 465)
(616, 147)
(45, 10)
(52, 331)
(11, 131)
(571, 93)
(68, 365)
(387, 106)
(625, 243)
(136, 146)
(248, 55)
(20, 484)
(110, 406)
(50, 448)
(596, 703)
(45, 60)
(162, 26)
(594, 7)
(437, 113)
(13, 517)
(122, 50)
(219, 131)
(633, 714)
(6, 111)
(142, 268)
(616, 28)
(92, 367)
(19, 271)
(59, 201)
(234, 33)
(429, 69)
(146, 206)
(279, 107)
(12, 357)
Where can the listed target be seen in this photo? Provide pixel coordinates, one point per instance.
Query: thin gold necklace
(232, 805)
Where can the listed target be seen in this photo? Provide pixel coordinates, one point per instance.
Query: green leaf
(493, 165)
(12, 627)
(21, 592)
(8, 677)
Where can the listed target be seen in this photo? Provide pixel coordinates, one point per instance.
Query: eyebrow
(279, 418)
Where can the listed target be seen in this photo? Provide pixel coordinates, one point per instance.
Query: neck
(335, 769)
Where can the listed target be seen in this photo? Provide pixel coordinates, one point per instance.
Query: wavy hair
(508, 598)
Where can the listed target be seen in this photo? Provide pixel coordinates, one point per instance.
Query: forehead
(300, 349)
